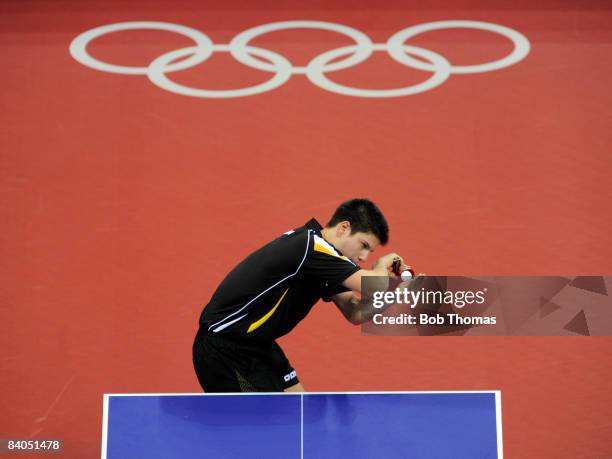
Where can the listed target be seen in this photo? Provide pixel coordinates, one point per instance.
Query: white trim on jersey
(220, 327)
(319, 240)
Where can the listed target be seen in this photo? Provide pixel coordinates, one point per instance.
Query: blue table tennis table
(369, 425)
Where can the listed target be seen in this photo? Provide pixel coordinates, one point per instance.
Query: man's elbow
(354, 321)
(373, 285)
(356, 318)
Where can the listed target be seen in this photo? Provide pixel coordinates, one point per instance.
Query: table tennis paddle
(406, 273)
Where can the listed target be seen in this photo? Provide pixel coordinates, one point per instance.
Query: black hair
(364, 216)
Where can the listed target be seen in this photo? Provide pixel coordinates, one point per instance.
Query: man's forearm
(377, 280)
(363, 310)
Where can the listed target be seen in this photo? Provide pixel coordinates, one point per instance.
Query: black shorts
(226, 365)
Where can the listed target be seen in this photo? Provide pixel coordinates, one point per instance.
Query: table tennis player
(269, 292)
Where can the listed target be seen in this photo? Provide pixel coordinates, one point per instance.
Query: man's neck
(328, 234)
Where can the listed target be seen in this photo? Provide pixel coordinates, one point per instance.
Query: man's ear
(343, 228)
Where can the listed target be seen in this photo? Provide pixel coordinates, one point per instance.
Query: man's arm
(358, 311)
(381, 273)
(348, 304)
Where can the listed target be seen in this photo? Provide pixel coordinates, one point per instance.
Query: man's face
(357, 246)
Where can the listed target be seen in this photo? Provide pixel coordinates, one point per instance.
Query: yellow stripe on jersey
(321, 245)
(321, 248)
(259, 323)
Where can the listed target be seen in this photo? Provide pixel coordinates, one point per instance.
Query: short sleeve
(327, 268)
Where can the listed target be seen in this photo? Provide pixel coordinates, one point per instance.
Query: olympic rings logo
(316, 70)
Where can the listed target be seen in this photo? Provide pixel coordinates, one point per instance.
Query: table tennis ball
(406, 275)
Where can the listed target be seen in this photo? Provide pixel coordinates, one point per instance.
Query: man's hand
(383, 264)
(381, 270)
(392, 263)
(358, 311)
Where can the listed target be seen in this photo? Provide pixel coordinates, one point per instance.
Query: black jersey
(275, 287)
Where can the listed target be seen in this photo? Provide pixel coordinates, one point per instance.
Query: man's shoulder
(304, 233)
(294, 240)
(311, 226)
(297, 242)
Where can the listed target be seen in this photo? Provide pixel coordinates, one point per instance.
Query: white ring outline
(78, 46)
(521, 45)
(362, 42)
(440, 75)
(158, 77)
(315, 69)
